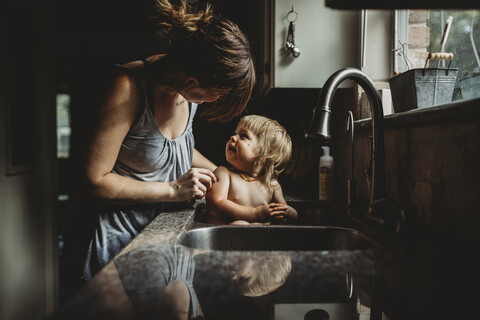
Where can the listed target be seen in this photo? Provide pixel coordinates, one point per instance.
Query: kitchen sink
(310, 213)
(277, 238)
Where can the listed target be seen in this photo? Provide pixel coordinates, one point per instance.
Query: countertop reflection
(414, 276)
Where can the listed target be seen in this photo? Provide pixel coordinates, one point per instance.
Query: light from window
(425, 30)
(63, 125)
(464, 42)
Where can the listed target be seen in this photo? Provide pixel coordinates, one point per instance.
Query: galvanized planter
(422, 88)
(470, 86)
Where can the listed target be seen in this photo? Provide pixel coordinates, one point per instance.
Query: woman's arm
(199, 161)
(116, 117)
(224, 210)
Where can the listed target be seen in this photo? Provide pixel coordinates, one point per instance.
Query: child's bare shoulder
(222, 171)
(275, 184)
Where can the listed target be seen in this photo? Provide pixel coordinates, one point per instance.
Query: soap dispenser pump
(325, 171)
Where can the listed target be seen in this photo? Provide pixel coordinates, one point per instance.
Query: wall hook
(290, 42)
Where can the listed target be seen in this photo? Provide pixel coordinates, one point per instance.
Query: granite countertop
(416, 275)
(103, 297)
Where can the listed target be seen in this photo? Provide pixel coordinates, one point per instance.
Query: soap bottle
(325, 170)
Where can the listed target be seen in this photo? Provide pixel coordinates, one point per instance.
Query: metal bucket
(422, 88)
(470, 86)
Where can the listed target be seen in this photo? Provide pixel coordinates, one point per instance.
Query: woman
(141, 153)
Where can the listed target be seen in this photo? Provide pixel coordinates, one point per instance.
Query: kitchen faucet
(349, 127)
(319, 127)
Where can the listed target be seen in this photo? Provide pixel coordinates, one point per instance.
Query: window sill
(460, 111)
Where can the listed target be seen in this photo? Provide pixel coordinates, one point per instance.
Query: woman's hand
(193, 184)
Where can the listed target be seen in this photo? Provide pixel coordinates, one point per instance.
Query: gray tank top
(147, 155)
(145, 272)
(102, 230)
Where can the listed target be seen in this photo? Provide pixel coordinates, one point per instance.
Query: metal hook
(292, 12)
(290, 42)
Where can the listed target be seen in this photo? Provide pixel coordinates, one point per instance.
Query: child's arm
(283, 212)
(221, 208)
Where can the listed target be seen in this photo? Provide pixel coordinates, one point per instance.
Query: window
(421, 31)
(63, 125)
(63, 153)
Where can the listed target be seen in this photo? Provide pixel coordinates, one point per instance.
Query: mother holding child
(139, 156)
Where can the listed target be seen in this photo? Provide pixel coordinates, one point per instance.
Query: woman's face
(195, 93)
(241, 151)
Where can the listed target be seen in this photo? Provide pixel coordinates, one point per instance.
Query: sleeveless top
(99, 230)
(145, 272)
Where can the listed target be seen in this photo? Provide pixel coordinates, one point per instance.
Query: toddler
(248, 191)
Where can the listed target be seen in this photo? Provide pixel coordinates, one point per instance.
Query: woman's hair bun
(185, 18)
(209, 48)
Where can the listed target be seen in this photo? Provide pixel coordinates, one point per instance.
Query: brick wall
(418, 37)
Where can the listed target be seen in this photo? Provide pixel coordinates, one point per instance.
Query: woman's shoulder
(127, 78)
(117, 88)
(136, 66)
(130, 72)
(123, 86)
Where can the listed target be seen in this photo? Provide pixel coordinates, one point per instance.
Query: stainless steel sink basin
(276, 238)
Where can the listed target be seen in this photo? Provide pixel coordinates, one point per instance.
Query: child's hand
(282, 213)
(267, 211)
(276, 213)
(262, 213)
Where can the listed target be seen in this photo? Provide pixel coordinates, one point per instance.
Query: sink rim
(183, 238)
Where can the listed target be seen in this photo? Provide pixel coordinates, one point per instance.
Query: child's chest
(252, 194)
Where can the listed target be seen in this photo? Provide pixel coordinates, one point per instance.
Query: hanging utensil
(290, 42)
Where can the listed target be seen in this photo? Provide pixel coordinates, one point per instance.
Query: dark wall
(93, 33)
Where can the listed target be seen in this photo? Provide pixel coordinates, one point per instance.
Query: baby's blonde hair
(273, 270)
(275, 145)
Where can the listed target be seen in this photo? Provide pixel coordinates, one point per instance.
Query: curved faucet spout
(319, 127)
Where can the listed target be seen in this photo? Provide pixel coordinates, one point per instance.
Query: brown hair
(275, 145)
(212, 49)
